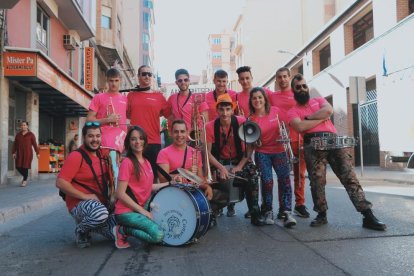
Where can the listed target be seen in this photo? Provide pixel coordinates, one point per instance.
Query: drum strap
(216, 149)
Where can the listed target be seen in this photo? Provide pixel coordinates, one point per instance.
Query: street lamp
(292, 54)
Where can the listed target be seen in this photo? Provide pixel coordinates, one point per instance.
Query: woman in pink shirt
(133, 192)
(271, 153)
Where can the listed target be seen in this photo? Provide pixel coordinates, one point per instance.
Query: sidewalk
(16, 201)
(42, 193)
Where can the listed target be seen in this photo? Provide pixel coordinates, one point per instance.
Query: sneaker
(371, 222)
(82, 239)
(289, 221)
(213, 222)
(247, 215)
(120, 239)
(319, 221)
(230, 210)
(268, 218)
(300, 210)
(281, 214)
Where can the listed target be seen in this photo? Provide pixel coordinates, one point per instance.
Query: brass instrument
(110, 110)
(284, 138)
(240, 111)
(207, 169)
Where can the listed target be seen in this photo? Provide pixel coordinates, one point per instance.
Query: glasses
(182, 80)
(146, 74)
(88, 124)
(299, 86)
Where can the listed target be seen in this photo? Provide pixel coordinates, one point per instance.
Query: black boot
(319, 220)
(371, 222)
(257, 219)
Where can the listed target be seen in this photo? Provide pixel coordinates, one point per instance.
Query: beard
(302, 97)
(88, 148)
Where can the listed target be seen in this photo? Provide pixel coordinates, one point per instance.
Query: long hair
(267, 103)
(130, 154)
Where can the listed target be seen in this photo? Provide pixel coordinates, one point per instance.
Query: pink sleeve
(71, 166)
(162, 157)
(125, 170)
(94, 105)
(321, 101)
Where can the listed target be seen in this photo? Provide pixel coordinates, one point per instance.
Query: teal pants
(141, 227)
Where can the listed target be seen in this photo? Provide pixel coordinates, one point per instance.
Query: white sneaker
(289, 221)
(269, 218)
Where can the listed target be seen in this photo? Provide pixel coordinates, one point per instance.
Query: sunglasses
(183, 80)
(88, 124)
(146, 74)
(299, 86)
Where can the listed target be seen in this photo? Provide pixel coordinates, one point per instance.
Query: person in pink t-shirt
(182, 104)
(220, 81)
(180, 155)
(109, 109)
(271, 153)
(227, 154)
(284, 100)
(145, 107)
(133, 193)
(312, 118)
(242, 98)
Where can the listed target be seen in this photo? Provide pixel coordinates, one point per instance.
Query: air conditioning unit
(69, 42)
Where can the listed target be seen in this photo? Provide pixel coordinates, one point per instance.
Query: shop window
(363, 30)
(42, 28)
(404, 8)
(106, 17)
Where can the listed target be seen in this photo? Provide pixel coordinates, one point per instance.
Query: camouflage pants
(341, 163)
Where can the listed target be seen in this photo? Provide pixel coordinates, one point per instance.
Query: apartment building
(369, 39)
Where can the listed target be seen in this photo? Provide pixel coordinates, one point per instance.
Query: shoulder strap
(185, 158)
(237, 140)
(131, 194)
(164, 173)
(215, 150)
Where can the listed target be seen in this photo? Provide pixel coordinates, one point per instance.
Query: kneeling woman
(135, 184)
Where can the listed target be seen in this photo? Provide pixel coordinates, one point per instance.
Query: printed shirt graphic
(301, 111)
(107, 103)
(140, 188)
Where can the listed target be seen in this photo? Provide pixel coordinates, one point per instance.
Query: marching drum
(183, 213)
(332, 142)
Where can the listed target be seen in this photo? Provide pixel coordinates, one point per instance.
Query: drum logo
(175, 226)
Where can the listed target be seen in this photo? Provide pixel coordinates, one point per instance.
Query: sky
(181, 32)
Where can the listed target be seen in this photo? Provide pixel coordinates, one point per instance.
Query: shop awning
(59, 94)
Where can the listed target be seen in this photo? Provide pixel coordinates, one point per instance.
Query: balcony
(8, 4)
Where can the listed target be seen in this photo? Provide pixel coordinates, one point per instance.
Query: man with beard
(284, 100)
(83, 179)
(312, 118)
(183, 103)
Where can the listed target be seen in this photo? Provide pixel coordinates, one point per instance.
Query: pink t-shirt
(184, 110)
(145, 111)
(174, 157)
(285, 100)
(228, 151)
(140, 188)
(243, 100)
(301, 111)
(112, 136)
(269, 131)
(211, 102)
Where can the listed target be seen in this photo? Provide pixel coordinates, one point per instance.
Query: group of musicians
(206, 142)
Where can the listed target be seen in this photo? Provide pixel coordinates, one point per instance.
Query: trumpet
(284, 138)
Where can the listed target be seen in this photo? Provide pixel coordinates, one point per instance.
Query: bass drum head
(174, 211)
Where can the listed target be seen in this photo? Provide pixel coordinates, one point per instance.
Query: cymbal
(190, 176)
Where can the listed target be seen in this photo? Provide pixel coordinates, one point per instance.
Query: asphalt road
(44, 244)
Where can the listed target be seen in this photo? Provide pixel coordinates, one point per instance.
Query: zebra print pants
(92, 216)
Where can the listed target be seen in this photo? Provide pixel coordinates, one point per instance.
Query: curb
(9, 213)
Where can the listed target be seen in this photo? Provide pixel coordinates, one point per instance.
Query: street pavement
(44, 245)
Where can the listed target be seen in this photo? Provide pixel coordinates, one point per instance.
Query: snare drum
(183, 213)
(232, 186)
(332, 142)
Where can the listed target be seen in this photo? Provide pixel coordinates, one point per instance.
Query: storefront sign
(19, 64)
(88, 70)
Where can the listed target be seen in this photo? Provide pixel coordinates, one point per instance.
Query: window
(145, 41)
(148, 4)
(216, 55)
(42, 27)
(404, 9)
(147, 20)
(106, 17)
(363, 30)
(217, 40)
(325, 57)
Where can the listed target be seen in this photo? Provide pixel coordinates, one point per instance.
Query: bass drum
(183, 213)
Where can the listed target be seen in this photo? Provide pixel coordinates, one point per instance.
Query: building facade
(370, 39)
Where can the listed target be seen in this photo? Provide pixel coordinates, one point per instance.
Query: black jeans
(24, 172)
